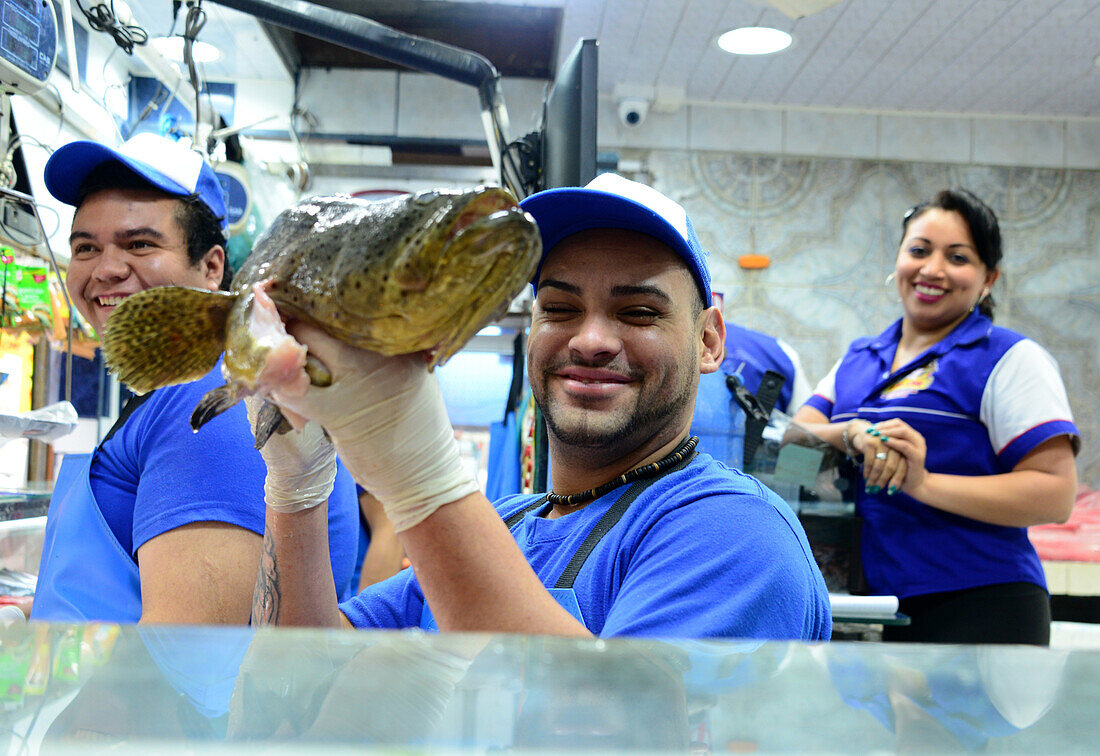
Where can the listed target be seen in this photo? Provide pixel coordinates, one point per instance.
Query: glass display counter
(31, 500)
(175, 689)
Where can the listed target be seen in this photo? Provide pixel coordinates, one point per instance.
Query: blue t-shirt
(704, 551)
(155, 474)
(983, 398)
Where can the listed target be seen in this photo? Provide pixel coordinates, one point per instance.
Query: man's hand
(301, 465)
(387, 419)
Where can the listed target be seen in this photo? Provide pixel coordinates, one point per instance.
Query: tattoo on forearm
(267, 594)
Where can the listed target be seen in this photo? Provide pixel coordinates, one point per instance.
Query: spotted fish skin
(399, 275)
(410, 273)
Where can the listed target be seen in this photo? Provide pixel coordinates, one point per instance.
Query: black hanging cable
(192, 25)
(102, 17)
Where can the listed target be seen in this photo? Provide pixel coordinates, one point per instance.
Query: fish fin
(166, 335)
(269, 420)
(215, 402)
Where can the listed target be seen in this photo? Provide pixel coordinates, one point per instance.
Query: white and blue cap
(611, 201)
(167, 165)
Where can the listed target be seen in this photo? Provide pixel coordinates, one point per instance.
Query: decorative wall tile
(814, 133)
(741, 129)
(1083, 144)
(917, 137)
(1016, 142)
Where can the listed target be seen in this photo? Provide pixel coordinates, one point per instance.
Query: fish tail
(166, 335)
(269, 420)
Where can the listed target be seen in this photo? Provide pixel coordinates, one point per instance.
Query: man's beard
(645, 417)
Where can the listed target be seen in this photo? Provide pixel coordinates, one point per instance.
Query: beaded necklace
(678, 454)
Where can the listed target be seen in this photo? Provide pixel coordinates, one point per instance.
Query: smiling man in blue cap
(158, 524)
(641, 535)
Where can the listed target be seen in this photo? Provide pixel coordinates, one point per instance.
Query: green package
(32, 287)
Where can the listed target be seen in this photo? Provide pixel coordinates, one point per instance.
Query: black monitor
(568, 143)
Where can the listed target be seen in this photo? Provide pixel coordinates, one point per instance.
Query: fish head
(404, 274)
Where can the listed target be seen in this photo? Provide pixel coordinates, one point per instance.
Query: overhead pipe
(419, 53)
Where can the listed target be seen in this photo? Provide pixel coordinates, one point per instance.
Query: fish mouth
(486, 208)
(265, 357)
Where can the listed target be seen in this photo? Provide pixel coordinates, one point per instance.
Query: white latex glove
(390, 426)
(301, 465)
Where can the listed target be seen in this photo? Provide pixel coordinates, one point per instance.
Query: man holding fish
(641, 535)
(159, 524)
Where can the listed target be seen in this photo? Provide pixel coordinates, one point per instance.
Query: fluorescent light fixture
(754, 40)
(490, 331)
(172, 48)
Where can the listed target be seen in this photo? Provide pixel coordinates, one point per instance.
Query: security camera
(632, 111)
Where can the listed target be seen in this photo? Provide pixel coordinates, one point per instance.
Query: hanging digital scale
(28, 44)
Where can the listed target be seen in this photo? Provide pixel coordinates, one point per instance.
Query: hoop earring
(891, 286)
(982, 298)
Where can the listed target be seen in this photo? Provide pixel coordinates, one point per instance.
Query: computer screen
(568, 142)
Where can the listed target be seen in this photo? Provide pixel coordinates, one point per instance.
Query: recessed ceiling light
(172, 48)
(754, 40)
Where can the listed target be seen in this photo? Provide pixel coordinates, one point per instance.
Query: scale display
(28, 44)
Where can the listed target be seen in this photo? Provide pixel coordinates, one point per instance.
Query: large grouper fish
(419, 272)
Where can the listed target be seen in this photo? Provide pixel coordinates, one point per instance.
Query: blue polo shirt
(983, 398)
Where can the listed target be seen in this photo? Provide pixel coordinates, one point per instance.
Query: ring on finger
(881, 455)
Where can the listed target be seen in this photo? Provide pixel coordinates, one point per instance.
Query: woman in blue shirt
(965, 435)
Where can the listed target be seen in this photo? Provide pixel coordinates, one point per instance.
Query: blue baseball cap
(611, 201)
(167, 165)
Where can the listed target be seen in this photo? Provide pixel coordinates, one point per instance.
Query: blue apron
(719, 421)
(99, 581)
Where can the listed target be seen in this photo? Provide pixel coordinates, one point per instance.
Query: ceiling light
(754, 40)
(172, 48)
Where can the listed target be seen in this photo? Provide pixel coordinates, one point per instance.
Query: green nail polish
(883, 438)
(891, 490)
(870, 429)
(873, 489)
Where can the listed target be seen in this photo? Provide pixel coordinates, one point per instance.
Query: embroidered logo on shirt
(911, 383)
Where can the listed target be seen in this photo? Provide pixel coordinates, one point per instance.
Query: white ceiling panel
(1016, 57)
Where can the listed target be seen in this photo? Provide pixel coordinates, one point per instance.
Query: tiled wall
(832, 228)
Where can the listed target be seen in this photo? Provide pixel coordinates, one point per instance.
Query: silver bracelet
(851, 452)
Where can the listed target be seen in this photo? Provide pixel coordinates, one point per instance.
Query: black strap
(132, 404)
(758, 408)
(610, 517)
(767, 394)
(515, 517)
